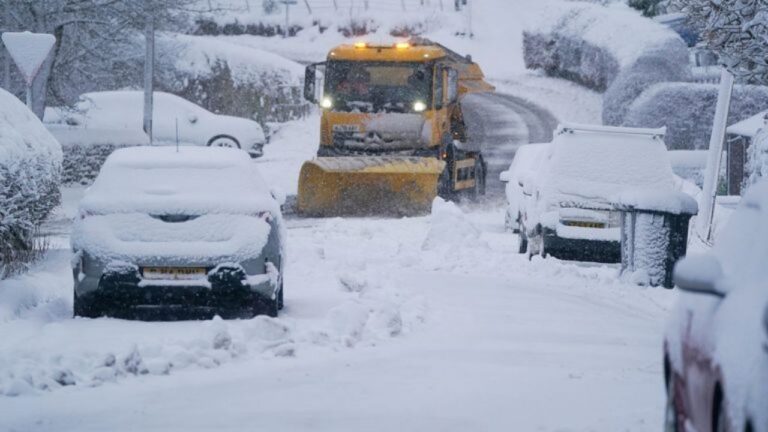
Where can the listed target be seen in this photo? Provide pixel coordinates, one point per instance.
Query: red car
(716, 347)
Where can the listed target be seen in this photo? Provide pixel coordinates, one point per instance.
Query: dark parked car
(716, 348)
(193, 231)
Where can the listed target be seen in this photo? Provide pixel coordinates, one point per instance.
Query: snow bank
(687, 111)
(30, 167)
(591, 44)
(450, 228)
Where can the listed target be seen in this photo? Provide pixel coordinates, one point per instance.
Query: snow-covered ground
(428, 323)
(425, 323)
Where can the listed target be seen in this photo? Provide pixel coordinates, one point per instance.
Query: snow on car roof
(599, 161)
(190, 180)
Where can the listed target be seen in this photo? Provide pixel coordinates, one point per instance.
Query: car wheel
(280, 302)
(522, 239)
(223, 141)
(720, 419)
(85, 309)
(671, 418)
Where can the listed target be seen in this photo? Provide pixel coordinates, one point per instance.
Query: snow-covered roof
(190, 180)
(748, 127)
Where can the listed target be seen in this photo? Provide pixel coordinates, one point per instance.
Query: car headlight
(419, 106)
(326, 103)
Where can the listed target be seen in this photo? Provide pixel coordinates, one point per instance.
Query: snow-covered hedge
(229, 78)
(652, 68)
(687, 111)
(591, 44)
(30, 167)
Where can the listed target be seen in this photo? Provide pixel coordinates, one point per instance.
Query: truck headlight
(419, 106)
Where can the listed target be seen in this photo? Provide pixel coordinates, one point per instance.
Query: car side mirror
(505, 176)
(192, 118)
(279, 195)
(699, 274)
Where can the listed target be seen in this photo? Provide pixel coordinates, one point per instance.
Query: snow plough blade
(368, 186)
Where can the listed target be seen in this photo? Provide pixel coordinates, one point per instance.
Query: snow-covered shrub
(591, 44)
(227, 78)
(666, 64)
(687, 110)
(757, 157)
(30, 167)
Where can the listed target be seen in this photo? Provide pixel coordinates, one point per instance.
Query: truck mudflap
(368, 186)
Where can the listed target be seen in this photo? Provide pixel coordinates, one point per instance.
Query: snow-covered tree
(737, 30)
(94, 40)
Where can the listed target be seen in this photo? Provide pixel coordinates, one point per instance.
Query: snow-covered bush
(667, 64)
(30, 166)
(687, 111)
(591, 44)
(232, 79)
(757, 157)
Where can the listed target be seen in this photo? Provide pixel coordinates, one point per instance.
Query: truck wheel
(479, 177)
(85, 309)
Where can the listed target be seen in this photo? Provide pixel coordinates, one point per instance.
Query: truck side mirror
(310, 77)
(453, 85)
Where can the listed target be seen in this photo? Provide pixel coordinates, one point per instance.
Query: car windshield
(377, 86)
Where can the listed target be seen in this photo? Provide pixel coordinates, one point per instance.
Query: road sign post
(29, 51)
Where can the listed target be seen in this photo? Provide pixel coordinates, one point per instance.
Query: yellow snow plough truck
(392, 133)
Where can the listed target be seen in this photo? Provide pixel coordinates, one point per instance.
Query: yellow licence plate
(177, 273)
(584, 224)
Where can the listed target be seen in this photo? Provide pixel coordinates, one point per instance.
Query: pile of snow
(591, 44)
(450, 228)
(687, 110)
(30, 166)
(689, 165)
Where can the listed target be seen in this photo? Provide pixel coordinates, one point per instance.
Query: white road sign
(29, 51)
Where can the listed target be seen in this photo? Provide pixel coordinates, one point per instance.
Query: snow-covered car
(527, 158)
(716, 346)
(566, 210)
(173, 117)
(194, 230)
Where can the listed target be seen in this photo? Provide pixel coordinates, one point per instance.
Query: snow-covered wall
(30, 167)
(591, 44)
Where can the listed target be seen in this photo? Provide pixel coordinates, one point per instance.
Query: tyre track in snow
(499, 124)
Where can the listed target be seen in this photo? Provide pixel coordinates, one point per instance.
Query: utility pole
(149, 67)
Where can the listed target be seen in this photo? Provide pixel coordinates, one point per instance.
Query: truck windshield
(377, 86)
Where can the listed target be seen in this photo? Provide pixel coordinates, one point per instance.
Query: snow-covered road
(386, 328)
(428, 323)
